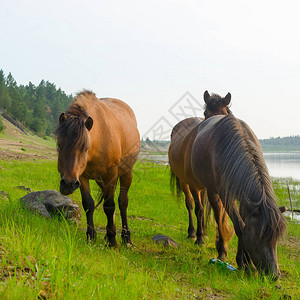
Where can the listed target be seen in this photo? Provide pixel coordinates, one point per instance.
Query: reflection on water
(283, 164)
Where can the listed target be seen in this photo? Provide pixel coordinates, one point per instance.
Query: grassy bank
(51, 259)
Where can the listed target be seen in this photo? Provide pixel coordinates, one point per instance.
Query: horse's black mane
(245, 177)
(71, 134)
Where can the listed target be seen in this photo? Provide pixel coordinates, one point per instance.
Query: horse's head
(216, 105)
(73, 143)
(262, 248)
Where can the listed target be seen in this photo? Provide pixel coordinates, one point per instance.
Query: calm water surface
(279, 164)
(283, 164)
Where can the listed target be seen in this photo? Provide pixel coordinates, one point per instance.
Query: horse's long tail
(100, 196)
(100, 199)
(175, 183)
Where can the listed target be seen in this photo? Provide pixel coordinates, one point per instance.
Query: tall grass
(51, 259)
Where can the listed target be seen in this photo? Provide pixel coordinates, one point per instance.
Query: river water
(283, 164)
(280, 164)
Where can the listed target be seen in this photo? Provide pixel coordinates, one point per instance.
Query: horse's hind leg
(224, 232)
(125, 182)
(189, 206)
(199, 211)
(109, 184)
(89, 207)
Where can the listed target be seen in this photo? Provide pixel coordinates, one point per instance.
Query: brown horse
(182, 138)
(98, 139)
(227, 159)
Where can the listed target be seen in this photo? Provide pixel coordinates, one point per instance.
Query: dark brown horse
(182, 138)
(227, 159)
(216, 105)
(98, 139)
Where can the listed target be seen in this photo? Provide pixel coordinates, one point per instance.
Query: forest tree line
(38, 108)
(34, 107)
(290, 143)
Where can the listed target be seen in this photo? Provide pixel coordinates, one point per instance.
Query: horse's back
(119, 107)
(184, 127)
(123, 122)
(182, 138)
(115, 136)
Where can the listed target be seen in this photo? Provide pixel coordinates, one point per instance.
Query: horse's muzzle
(68, 187)
(271, 269)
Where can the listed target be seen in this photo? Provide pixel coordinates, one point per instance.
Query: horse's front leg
(89, 207)
(242, 257)
(110, 181)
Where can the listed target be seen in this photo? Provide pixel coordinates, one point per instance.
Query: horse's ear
(206, 96)
(89, 123)
(227, 99)
(282, 209)
(62, 118)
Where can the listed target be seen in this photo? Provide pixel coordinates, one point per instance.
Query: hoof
(91, 236)
(191, 236)
(199, 242)
(128, 245)
(222, 257)
(111, 241)
(126, 240)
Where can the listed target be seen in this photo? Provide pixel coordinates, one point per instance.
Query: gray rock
(165, 240)
(50, 202)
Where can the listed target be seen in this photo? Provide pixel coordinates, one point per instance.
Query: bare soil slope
(14, 144)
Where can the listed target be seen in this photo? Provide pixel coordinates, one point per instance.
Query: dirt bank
(14, 144)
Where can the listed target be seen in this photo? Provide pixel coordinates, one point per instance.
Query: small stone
(24, 188)
(3, 195)
(165, 240)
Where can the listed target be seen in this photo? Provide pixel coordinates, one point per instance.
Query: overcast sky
(150, 53)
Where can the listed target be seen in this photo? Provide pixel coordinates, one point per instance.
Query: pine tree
(36, 107)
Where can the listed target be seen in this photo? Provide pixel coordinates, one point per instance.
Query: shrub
(1, 125)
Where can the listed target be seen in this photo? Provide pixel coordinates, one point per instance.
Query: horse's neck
(209, 123)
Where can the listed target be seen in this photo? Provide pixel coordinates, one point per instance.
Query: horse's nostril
(76, 184)
(73, 183)
(63, 182)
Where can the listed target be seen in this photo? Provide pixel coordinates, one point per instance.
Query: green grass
(281, 187)
(51, 259)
